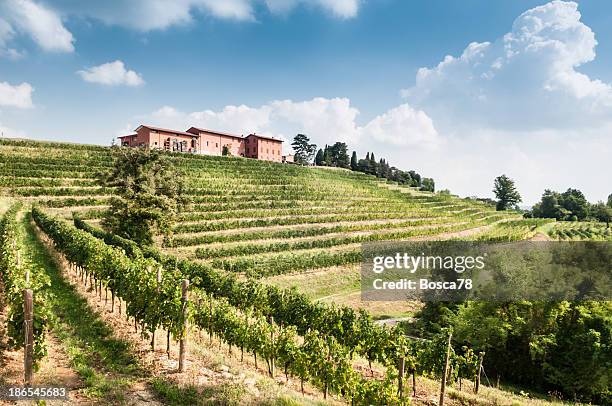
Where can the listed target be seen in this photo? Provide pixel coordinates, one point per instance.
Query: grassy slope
(235, 191)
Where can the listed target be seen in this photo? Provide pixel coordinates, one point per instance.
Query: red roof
(166, 130)
(127, 136)
(204, 130)
(264, 137)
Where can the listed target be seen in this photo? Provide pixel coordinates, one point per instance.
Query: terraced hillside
(255, 218)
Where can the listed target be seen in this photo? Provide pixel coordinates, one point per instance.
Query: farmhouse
(208, 142)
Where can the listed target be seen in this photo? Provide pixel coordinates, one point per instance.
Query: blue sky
(336, 69)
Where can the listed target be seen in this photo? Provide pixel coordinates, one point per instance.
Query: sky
(458, 91)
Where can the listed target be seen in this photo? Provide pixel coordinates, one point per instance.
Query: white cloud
(403, 126)
(19, 96)
(519, 105)
(42, 24)
(111, 74)
(526, 80)
(324, 120)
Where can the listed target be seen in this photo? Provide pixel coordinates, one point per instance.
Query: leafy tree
(610, 200)
(338, 155)
(226, 151)
(428, 185)
(149, 194)
(602, 213)
(319, 159)
(549, 206)
(354, 162)
(507, 195)
(574, 201)
(304, 150)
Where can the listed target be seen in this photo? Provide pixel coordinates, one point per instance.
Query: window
(206, 143)
(216, 145)
(267, 151)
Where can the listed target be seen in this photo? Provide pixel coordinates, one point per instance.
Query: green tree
(507, 195)
(149, 194)
(304, 150)
(574, 201)
(610, 200)
(602, 213)
(319, 159)
(339, 155)
(354, 161)
(226, 151)
(428, 185)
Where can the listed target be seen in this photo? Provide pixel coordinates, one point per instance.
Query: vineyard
(250, 229)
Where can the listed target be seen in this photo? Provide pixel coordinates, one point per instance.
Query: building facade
(207, 142)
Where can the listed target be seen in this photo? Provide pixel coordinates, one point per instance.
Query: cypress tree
(354, 161)
(319, 157)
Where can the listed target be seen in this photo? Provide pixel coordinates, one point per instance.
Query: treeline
(336, 155)
(571, 205)
(553, 346)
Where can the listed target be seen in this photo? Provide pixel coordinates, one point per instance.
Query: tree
(574, 201)
(319, 159)
(338, 154)
(428, 185)
(149, 194)
(602, 213)
(327, 157)
(507, 195)
(304, 150)
(610, 200)
(354, 162)
(226, 151)
(373, 164)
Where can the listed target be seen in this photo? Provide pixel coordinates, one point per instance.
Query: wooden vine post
(28, 328)
(183, 342)
(400, 378)
(443, 384)
(157, 289)
(477, 383)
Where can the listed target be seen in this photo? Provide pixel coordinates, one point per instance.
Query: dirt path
(540, 237)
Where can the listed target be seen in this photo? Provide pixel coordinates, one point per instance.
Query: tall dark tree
(304, 150)
(610, 200)
(148, 194)
(320, 158)
(373, 164)
(507, 195)
(354, 162)
(327, 156)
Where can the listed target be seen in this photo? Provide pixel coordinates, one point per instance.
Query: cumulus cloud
(324, 120)
(19, 96)
(111, 74)
(526, 80)
(39, 22)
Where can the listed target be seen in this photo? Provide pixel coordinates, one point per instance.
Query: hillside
(253, 217)
(256, 237)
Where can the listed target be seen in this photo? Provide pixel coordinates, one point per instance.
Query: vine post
(157, 289)
(400, 377)
(444, 371)
(477, 384)
(28, 328)
(183, 342)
